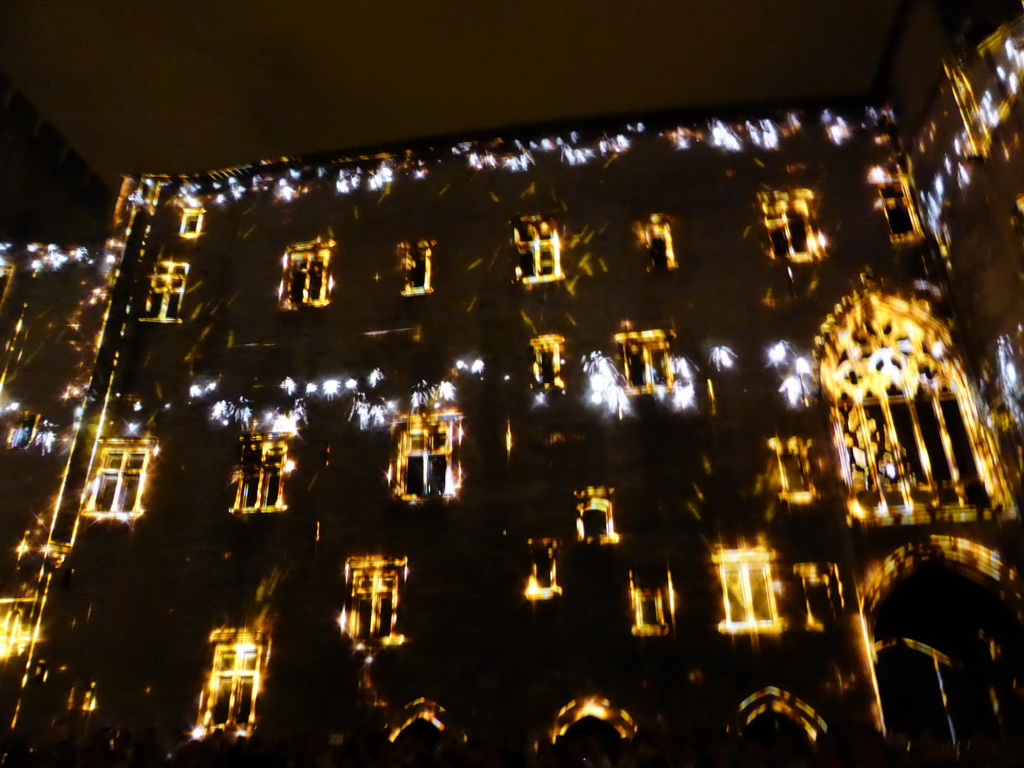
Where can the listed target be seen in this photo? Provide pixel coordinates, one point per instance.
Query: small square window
(646, 361)
(166, 291)
(540, 249)
(548, 351)
(418, 267)
(120, 479)
(594, 523)
(748, 594)
(823, 593)
(789, 217)
(371, 609)
(427, 460)
(657, 236)
(653, 606)
(23, 431)
(260, 475)
(896, 199)
(239, 662)
(543, 581)
(307, 278)
(793, 470)
(192, 222)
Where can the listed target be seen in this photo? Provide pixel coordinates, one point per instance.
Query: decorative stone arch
(773, 699)
(420, 709)
(593, 706)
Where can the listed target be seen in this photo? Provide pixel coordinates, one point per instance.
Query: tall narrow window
(260, 475)
(229, 698)
(646, 362)
(547, 361)
(23, 431)
(6, 273)
(657, 235)
(371, 608)
(427, 462)
(896, 199)
(823, 593)
(543, 581)
(793, 469)
(120, 478)
(166, 290)
(977, 132)
(653, 606)
(418, 266)
(16, 628)
(594, 522)
(789, 217)
(307, 278)
(748, 596)
(191, 222)
(540, 249)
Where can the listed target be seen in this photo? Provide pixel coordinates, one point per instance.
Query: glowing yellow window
(594, 523)
(657, 236)
(23, 431)
(653, 607)
(789, 219)
(229, 699)
(427, 460)
(120, 479)
(16, 632)
(307, 278)
(896, 199)
(547, 361)
(823, 593)
(191, 222)
(6, 273)
(166, 290)
(543, 581)
(646, 361)
(794, 469)
(540, 249)
(747, 591)
(418, 267)
(260, 474)
(371, 610)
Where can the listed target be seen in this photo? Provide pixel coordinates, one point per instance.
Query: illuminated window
(896, 199)
(646, 361)
(427, 463)
(794, 469)
(594, 523)
(6, 273)
(747, 591)
(229, 699)
(118, 484)
(23, 431)
(418, 267)
(540, 250)
(823, 593)
(543, 581)
(166, 290)
(653, 607)
(260, 474)
(789, 219)
(978, 133)
(371, 611)
(307, 279)
(657, 236)
(547, 361)
(192, 222)
(16, 631)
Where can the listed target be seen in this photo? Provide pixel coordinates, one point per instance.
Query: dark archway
(590, 741)
(949, 651)
(780, 736)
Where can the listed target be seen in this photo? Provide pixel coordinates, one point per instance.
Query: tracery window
(905, 424)
(166, 290)
(119, 479)
(748, 591)
(228, 701)
(307, 278)
(789, 218)
(371, 609)
(547, 361)
(427, 460)
(263, 463)
(540, 249)
(646, 361)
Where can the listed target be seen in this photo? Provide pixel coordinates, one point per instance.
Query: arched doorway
(421, 719)
(591, 730)
(772, 711)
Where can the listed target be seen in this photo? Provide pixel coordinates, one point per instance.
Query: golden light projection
(977, 132)
(896, 199)
(543, 581)
(427, 457)
(789, 218)
(259, 477)
(16, 629)
(748, 591)
(417, 266)
(653, 607)
(307, 278)
(647, 363)
(540, 249)
(593, 706)
(420, 709)
(548, 352)
(594, 521)
(23, 431)
(191, 222)
(656, 233)
(166, 291)
(773, 699)
(119, 480)
(905, 424)
(823, 593)
(794, 469)
(371, 607)
(229, 699)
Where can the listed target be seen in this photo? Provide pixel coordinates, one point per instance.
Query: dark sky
(174, 86)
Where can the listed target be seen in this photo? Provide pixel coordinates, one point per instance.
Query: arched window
(905, 423)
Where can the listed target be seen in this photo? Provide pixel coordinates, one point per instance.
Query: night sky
(209, 83)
